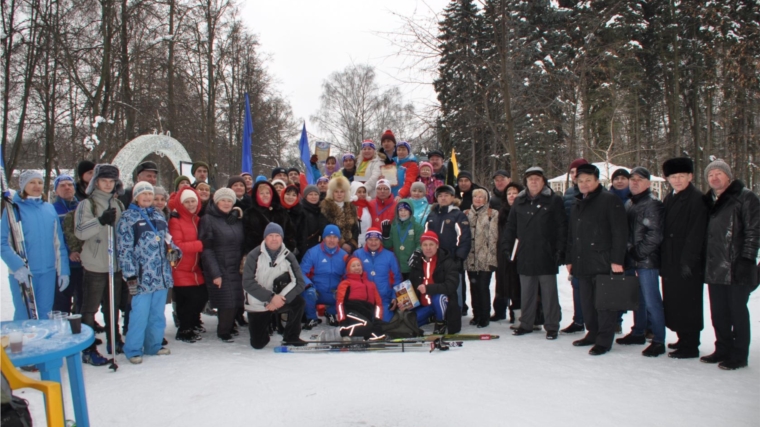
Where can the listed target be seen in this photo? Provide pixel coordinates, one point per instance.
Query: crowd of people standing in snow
(273, 253)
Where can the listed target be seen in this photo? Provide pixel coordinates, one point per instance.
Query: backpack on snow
(403, 325)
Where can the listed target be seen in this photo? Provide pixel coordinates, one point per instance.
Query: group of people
(285, 252)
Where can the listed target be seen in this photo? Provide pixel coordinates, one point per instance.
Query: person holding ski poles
(35, 252)
(94, 219)
(146, 254)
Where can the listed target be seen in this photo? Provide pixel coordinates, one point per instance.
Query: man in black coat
(465, 187)
(145, 171)
(645, 219)
(538, 226)
(682, 266)
(569, 200)
(596, 244)
(499, 194)
(453, 230)
(435, 277)
(733, 239)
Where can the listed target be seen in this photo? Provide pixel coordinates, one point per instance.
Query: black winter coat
(540, 226)
(507, 279)
(453, 229)
(497, 198)
(684, 231)
(296, 215)
(598, 233)
(445, 281)
(733, 236)
(257, 217)
(312, 225)
(646, 217)
(221, 256)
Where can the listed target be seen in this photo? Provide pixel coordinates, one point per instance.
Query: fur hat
(677, 165)
(338, 183)
(106, 170)
(141, 187)
(721, 165)
(224, 194)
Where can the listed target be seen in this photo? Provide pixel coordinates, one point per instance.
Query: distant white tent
(560, 183)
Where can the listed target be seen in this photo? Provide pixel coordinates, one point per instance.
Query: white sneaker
(164, 351)
(135, 360)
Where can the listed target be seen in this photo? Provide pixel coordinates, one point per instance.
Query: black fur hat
(677, 165)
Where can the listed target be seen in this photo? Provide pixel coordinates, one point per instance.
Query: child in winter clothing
(141, 240)
(359, 306)
(359, 199)
(420, 203)
(428, 179)
(404, 158)
(403, 235)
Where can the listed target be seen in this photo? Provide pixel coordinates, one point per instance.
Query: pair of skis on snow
(431, 342)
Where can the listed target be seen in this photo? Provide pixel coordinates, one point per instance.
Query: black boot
(655, 349)
(440, 328)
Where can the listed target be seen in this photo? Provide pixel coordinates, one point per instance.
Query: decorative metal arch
(137, 149)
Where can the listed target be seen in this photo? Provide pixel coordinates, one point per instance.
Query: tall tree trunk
(126, 89)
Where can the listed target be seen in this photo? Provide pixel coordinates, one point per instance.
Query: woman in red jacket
(359, 306)
(190, 293)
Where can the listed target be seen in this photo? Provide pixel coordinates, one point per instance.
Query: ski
(359, 346)
(450, 337)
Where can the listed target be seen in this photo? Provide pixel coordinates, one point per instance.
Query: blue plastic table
(47, 355)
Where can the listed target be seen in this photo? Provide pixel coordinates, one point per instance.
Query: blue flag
(303, 145)
(247, 132)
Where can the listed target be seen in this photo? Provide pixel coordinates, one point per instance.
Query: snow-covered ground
(525, 381)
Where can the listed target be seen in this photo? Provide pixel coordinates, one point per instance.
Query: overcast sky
(309, 39)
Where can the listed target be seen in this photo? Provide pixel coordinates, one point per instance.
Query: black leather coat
(645, 222)
(733, 236)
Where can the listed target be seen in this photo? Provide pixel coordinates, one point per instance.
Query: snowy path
(525, 381)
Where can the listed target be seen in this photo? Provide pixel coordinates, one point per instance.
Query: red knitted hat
(429, 235)
(576, 163)
(388, 134)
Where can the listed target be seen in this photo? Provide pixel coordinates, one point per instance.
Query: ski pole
(112, 315)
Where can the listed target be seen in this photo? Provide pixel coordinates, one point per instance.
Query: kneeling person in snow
(359, 306)
(435, 276)
(142, 238)
(274, 280)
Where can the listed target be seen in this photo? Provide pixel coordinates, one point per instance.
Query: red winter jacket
(381, 211)
(184, 231)
(358, 288)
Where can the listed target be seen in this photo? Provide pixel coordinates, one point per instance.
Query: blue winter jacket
(43, 236)
(140, 254)
(324, 268)
(385, 267)
(63, 207)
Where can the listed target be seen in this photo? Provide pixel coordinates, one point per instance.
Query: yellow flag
(454, 166)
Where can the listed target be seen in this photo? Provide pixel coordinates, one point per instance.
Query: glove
(22, 275)
(132, 285)
(685, 271)
(173, 256)
(386, 226)
(63, 283)
(491, 268)
(314, 159)
(416, 259)
(108, 217)
(173, 214)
